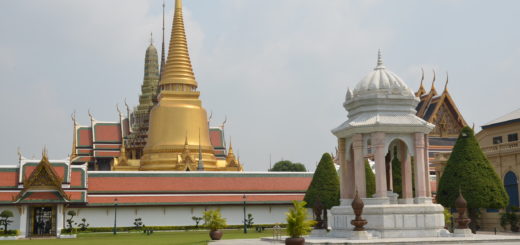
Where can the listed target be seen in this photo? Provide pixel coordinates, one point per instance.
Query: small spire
(44, 152)
(186, 140)
(178, 4)
(379, 59)
(151, 38)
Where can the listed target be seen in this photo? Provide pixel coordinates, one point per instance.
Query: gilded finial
(422, 76)
(186, 140)
(446, 84)
(433, 81)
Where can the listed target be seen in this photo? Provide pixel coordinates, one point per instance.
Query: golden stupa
(178, 137)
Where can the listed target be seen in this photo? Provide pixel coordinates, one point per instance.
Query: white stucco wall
(178, 216)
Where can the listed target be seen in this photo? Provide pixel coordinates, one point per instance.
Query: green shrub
(397, 179)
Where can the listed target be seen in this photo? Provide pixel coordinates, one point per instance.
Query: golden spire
(178, 68)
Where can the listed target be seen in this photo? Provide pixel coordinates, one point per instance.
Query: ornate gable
(43, 178)
(445, 115)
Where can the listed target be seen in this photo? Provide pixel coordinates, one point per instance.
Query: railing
(503, 148)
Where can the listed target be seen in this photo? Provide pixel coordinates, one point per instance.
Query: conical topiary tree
(324, 187)
(469, 170)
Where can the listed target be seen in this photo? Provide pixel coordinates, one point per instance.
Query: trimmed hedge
(166, 228)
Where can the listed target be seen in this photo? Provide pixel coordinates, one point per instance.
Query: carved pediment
(43, 177)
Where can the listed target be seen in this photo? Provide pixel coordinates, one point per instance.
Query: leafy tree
(197, 220)
(370, 179)
(249, 220)
(324, 187)
(4, 219)
(288, 166)
(469, 171)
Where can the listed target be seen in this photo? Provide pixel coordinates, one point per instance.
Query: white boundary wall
(165, 216)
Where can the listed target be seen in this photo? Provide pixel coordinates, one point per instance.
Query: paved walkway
(487, 238)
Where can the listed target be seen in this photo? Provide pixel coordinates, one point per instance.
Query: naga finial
(447, 80)
(224, 122)
(90, 116)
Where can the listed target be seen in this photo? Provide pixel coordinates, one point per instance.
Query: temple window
(497, 140)
(512, 137)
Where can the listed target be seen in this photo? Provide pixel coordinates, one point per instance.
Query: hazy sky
(278, 69)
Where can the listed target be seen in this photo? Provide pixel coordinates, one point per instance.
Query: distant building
(499, 141)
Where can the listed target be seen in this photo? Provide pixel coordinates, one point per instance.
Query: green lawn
(124, 238)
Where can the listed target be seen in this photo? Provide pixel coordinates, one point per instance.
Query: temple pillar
(359, 165)
(406, 175)
(427, 166)
(379, 157)
(420, 182)
(389, 179)
(345, 191)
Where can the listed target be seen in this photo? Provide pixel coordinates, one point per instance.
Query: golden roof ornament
(178, 68)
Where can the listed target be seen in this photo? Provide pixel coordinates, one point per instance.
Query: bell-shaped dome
(381, 81)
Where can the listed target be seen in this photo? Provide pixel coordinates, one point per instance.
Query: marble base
(391, 221)
(462, 233)
(318, 233)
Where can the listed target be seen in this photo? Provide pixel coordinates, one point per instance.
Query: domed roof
(381, 81)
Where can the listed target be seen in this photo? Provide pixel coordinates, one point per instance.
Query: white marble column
(378, 140)
(24, 210)
(359, 165)
(427, 166)
(60, 216)
(345, 184)
(420, 182)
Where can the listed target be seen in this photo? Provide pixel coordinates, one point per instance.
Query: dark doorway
(43, 221)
